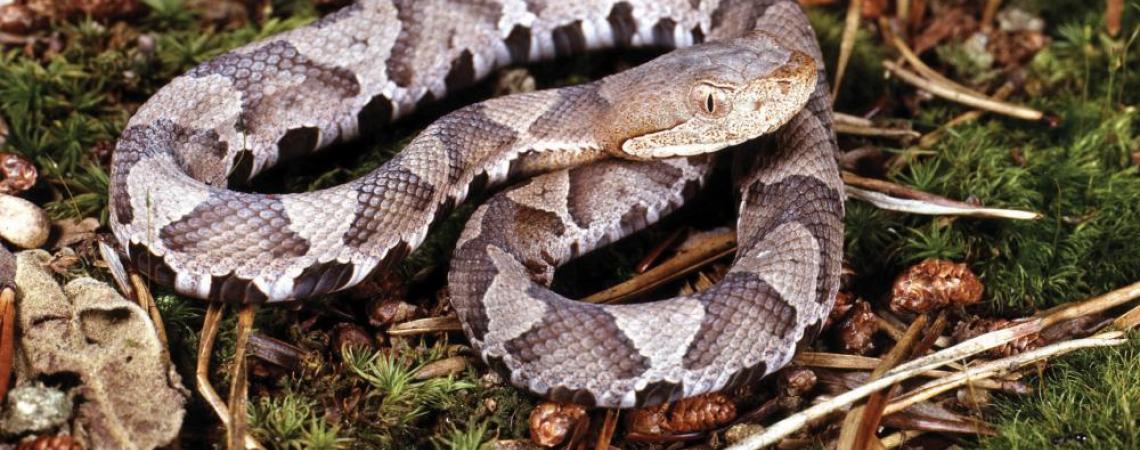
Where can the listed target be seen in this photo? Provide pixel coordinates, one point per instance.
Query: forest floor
(382, 365)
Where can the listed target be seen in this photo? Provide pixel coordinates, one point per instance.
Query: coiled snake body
(758, 73)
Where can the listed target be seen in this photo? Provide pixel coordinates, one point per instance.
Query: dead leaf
(951, 23)
(128, 395)
(74, 231)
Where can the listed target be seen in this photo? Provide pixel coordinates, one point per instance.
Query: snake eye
(710, 100)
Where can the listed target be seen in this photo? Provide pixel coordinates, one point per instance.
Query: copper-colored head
(706, 98)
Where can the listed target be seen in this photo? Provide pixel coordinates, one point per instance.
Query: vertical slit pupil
(709, 103)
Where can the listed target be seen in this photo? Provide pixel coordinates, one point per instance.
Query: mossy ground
(64, 107)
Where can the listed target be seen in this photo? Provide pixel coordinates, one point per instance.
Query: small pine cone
(61, 442)
(17, 174)
(856, 331)
(973, 328)
(844, 300)
(551, 423)
(700, 413)
(795, 381)
(935, 284)
(703, 412)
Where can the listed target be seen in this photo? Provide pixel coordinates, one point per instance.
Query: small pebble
(22, 223)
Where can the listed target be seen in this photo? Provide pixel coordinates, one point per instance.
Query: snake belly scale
(757, 72)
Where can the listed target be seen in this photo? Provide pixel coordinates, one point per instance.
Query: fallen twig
(931, 138)
(898, 439)
(861, 422)
(907, 421)
(1128, 320)
(894, 194)
(850, 30)
(1093, 305)
(426, 325)
(925, 207)
(7, 335)
(988, 15)
(1112, 12)
(847, 124)
(609, 427)
(710, 249)
(655, 253)
(719, 245)
(917, 64)
(999, 367)
(145, 300)
(965, 349)
(951, 94)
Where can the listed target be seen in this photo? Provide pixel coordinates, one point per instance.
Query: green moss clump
(1089, 400)
(290, 421)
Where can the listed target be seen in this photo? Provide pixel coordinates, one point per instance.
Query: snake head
(705, 98)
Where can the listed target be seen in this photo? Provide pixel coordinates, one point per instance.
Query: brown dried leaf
(951, 23)
(132, 396)
(934, 284)
(1017, 48)
(75, 231)
(551, 423)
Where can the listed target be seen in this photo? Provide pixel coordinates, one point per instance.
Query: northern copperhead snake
(374, 61)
